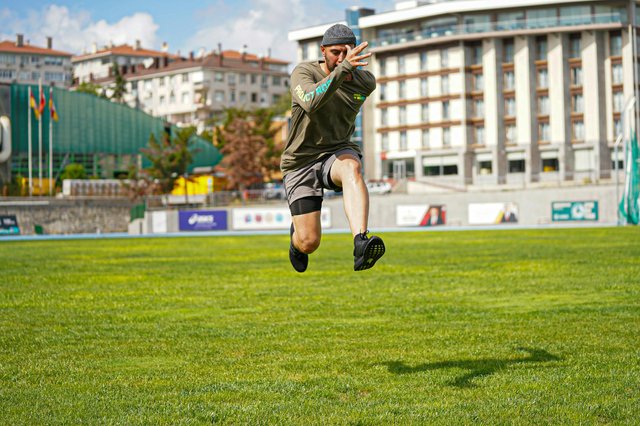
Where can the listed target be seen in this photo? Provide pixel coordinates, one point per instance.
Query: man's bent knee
(307, 243)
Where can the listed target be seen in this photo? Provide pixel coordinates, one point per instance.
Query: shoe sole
(372, 252)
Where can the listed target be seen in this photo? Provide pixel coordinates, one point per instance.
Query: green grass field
(508, 327)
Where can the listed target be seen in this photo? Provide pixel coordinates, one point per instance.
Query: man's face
(334, 55)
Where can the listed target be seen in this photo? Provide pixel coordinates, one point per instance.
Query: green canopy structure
(629, 208)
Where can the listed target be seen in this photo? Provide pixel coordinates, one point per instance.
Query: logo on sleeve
(359, 97)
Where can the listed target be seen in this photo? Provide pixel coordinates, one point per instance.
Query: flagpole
(29, 145)
(50, 143)
(40, 144)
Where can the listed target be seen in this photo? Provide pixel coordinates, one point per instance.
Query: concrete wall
(68, 216)
(107, 216)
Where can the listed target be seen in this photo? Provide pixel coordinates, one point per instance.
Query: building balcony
(480, 30)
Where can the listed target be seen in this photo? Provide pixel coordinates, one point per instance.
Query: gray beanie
(338, 34)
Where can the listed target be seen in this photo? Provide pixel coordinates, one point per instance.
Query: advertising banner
(9, 225)
(270, 218)
(574, 210)
(202, 220)
(492, 213)
(421, 215)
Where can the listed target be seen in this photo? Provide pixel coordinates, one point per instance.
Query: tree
(243, 152)
(246, 139)
(73, 171)
(89, 88)
(119, 88)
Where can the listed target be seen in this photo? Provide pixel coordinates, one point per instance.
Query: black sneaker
(366, 251)
(299, 260)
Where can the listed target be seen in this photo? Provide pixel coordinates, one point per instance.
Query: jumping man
(327, 95)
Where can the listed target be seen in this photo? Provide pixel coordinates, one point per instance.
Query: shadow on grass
(477, 367)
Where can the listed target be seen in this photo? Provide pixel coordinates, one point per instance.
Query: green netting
(88, 130)
(629, 209)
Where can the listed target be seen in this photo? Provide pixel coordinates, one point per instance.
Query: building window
(402, 115)
(444, 58)
(446, 136)
(383, 67)
(185, 98)
(425, 113)
(575, 46)
(509, 80)
(243, 97)
(544, 132)
(479, 135)
(383, 91)
(543, 105)
(510, 133)
(231, 78)
(617, 126)
(254, 78)
(478, 82)
(384, 142)
(403, 141)
(444, 85)
(446, 110)
(232, 96)
(401, 65)
(219, 77)
(577, 103)
(423, 61)
(576, 76)
(161, 82)
(577, 130)
(618, 101)
(402, 89)
(541, 48)
(243, 78)
(476, 54)
(485, 167)
(424, 87)
(425, 138)
(162, 100)
(218, 96)
(478, 108)
(305, 51)
(550, 165)
(254, 97)
(185, 78)
(615, 44)
(543, 78)
(276, 80)
(516, 166)
(617, 75)
(508, 51)
(510, 107)
(384, 117)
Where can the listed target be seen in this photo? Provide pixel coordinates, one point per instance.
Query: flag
(36, 111)
(43, 102)
(52, 107)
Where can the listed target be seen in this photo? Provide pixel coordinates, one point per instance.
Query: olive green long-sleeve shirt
(323, 112)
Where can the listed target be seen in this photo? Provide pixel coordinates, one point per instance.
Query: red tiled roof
(234, 54)
(124, 50)
(11, 47)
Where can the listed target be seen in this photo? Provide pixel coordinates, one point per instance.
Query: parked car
(273, 191)
(379, 187)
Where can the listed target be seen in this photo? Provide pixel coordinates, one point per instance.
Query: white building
(192, 90)
(98, 63)
(21, 62)
(494, 93)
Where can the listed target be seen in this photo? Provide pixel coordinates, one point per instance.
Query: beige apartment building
(495, 93)
(25, 63)
(188, 90)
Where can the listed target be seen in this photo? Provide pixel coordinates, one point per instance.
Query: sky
(189, 25)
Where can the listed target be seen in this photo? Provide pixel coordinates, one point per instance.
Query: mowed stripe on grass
(535, 326)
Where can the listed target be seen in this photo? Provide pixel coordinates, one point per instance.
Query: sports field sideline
(532, 326)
